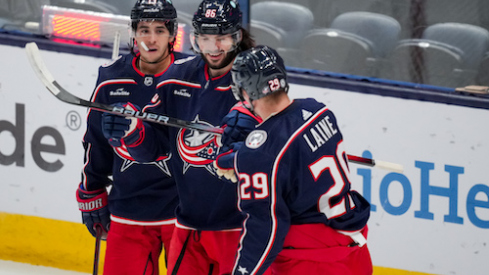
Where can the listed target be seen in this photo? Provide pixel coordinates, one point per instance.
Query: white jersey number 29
(328, 163)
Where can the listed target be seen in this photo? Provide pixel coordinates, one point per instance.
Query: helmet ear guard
(259, 71)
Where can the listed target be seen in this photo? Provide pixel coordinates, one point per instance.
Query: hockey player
(301, 215)
(209, 223)
(139, 211)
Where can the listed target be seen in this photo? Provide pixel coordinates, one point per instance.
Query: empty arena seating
(448, 54)
(290, 20)
(355, 43)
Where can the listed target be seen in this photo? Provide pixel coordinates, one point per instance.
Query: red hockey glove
(94, 208)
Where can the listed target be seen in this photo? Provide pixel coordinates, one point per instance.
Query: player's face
(217, 50)
(155, 36)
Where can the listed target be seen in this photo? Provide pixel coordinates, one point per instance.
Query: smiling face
(155, 35)
(218, 50)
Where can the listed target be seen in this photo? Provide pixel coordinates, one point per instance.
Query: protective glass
(215, 43)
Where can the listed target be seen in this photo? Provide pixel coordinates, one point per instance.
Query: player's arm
(91, 193)
(237, 124)
(267, 216)
(346, 210)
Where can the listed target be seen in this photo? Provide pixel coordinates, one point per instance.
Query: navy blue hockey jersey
(142, 192)
(293, 170)
(206, 202)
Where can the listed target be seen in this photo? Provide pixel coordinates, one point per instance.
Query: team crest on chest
(148, 81)
(255, 139)
(197, 148)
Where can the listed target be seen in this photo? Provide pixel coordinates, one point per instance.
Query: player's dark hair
(247, 41)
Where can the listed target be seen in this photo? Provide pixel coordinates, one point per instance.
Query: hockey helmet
(162, 10)
(260, 71)
(217, 17)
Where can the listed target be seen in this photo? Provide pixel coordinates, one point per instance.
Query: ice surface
(15, 268)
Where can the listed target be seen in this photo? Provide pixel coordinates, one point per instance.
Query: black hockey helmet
(162, 10)
(260, 71)
(217, 17)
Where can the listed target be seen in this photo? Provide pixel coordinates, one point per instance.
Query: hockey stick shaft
(376, 163)
(96, 256)
(62, 94)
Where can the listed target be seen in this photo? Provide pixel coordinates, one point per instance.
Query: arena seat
(266, 34)
(355, 43)
(448, 54)
(290, 19)
(293, 19)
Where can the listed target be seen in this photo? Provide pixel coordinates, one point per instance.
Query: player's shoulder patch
(183, 60)
(110, 63)
(255, 139)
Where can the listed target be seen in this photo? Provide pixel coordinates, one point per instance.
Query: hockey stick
(62, 94)
(117, 42)
(376, 163)
(98, 229)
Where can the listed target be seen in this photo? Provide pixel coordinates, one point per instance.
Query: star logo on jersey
(197, 148)
(161, 162)
(255, 139)
(242, 270)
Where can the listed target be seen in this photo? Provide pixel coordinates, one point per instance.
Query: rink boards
(431, 219)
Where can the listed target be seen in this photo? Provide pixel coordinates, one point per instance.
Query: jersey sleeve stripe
(179, 82)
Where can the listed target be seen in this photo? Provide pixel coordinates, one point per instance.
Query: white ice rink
(14, 268)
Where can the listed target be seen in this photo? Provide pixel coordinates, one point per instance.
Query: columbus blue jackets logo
(197, 148)
(255, 139)
(128, 161)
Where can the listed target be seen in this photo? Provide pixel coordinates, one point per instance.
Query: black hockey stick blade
(62, 94)
(98, 238)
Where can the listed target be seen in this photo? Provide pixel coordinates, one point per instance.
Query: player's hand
(118, 129)
(224, 163)
(237, 124)
(94, 209)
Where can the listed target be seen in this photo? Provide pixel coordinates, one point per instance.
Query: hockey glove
(120, 130)
(237, 124)
(94, 209)
(224, 163)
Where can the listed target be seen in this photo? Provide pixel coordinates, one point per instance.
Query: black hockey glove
(237, 124)
(94, 208)
(118, 129)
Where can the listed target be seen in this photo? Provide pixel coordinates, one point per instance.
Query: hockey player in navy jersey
(209, 222)
(301, 215)
(138, 215)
